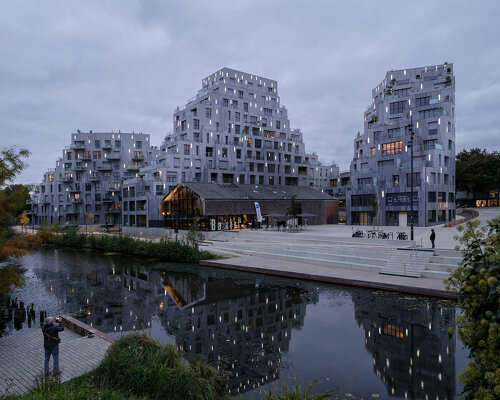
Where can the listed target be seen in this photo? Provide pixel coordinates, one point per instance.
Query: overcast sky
(125, 65)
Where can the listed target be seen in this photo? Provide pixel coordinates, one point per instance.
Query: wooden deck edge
(83, 329)
(343, 281)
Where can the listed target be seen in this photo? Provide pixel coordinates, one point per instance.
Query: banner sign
(257, 210)
(401, 199)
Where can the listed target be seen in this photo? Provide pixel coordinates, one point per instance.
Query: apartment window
(253, 119)
(278, 124)
(397, 107)
(268, 112)
(138, 144)
(96, 155)
(431, 197)
(392, 148)
(237, 116)
(68, 155)
(430, 144)
(97, 144)
(401, 92)
(238, 153)
(450, 144)
(229, 128)
(183, 125)
(395, 179)
(442, 197)
(208, 112)
(416, 179)
(433, 128)
(159, 190)
(394, 121)
(240, 94)
(224, 152)
(225, 102)
(118, 144)
(229, 114)
(393, 132)
(186, 149)
(245, 106)
(422, 101)
(431, 113)
(196, 123)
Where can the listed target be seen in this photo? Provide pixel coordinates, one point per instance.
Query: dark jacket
(433, 236)
(51, 335)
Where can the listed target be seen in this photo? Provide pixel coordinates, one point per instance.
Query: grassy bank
(167, 250)
(137, 367)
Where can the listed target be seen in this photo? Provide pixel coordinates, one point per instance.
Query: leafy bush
(296, 392)
(476, 280)
(164, 249)
(140, 366)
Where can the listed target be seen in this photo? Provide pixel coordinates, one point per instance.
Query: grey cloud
(125, 65)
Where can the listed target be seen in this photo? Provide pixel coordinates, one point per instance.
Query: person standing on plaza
(51, 329)
(433, 237)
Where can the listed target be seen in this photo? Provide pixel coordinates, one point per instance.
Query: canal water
(265, 331)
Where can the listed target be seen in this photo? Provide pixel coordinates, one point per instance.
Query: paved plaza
(22, 357)
(329, 253)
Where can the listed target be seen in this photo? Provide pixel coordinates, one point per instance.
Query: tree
(24, 219)
(477, 171)
(476, 281)
(294, 208)
(11, 163)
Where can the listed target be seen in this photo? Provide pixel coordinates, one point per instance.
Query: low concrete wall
(143, 231)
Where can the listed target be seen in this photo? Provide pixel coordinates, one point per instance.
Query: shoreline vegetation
(138, 367)
(182, 251)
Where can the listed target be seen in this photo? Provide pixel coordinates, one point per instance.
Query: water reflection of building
(240, 327)
(235, 324)
(413, 354)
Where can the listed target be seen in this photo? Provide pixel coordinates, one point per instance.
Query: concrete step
(327, 262)
(356, 259)
(440, 267)
(435, 274)
(446, 260)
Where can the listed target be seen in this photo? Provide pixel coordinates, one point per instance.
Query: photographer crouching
(51, 329)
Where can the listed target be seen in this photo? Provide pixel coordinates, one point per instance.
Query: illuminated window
(392, 148)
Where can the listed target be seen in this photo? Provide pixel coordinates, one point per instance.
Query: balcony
(108, 199)
(105, 167)
(79, 167)
(78, 145)
(133, 166)
(78, 200)
(66, 179)
(137, 156)
(112, 210)
(115, 155)
(106, 145)
(85, 156)
(94, 178)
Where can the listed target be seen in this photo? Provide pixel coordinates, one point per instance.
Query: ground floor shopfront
(394, 208)
(215, 207)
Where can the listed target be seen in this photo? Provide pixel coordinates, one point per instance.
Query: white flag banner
(257, 210)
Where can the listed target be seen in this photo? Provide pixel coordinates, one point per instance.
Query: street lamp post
(412, 134)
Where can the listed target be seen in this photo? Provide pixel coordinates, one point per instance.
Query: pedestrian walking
(433, 237)
(51, 340)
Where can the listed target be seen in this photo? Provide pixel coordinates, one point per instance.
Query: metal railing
(409, 258)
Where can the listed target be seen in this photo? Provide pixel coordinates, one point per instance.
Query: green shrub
(141, 366)
(296, 392)
(169, 250)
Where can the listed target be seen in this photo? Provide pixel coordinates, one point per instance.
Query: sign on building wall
(257, 210)
(400, 199)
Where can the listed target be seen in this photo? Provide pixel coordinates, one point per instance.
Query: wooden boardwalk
(22, 358)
